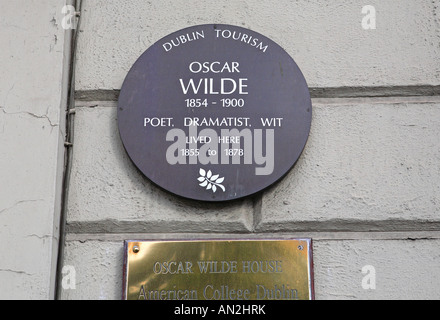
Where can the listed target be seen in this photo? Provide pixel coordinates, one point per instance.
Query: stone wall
(33, 95)
(366, 188)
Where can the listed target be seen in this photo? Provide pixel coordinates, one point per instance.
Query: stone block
(108, 194)
(366, 167)
(326, 39)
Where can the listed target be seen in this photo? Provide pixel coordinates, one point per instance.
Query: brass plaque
(218, 270)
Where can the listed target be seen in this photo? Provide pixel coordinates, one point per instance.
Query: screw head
(136, 249)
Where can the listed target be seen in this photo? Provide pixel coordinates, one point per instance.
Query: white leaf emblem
(210, 181)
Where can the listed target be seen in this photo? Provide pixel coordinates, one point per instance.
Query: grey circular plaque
(214, 113)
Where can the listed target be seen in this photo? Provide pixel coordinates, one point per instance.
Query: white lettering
(369, 20)
(369, 281)
(242, 37)
(253, 151)
(69, 278)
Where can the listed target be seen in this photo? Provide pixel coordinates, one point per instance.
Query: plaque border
(308, 240)
(179, 194)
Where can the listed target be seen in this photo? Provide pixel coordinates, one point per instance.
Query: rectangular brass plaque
(218, 270)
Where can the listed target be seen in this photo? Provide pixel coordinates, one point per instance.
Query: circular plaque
(214, 113)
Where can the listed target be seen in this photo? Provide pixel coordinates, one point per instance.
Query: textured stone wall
(366, 188)
(32, 129)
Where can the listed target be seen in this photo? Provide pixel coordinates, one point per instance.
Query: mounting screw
(136, 249)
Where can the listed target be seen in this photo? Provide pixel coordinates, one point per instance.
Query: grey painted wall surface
(405, 269)
(32, 133)
(326, 39)
(366, 188)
